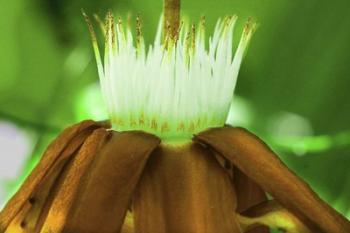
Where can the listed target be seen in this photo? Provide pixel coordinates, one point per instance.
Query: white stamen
(173, 89)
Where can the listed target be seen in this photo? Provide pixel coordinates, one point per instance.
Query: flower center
(176, 87)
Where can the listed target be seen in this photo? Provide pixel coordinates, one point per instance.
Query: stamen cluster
(178, 86)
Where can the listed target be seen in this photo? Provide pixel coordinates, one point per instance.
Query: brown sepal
(254, 158)
(184, 189)
(105, 195)
(128, 225)
(63, 197)
(271, 213)
(42, 177)
(248, 194)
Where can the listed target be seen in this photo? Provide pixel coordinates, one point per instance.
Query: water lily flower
(166, 162)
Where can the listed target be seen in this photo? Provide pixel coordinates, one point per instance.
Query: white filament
(174, 88)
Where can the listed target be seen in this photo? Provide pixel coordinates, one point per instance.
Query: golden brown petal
(128, 225)
(272, 214)
(248, 194)
(184, 189)
(43, 175)
(58, 207)
(247, 191)
(254, 158)
(28, 217)
(105, 196)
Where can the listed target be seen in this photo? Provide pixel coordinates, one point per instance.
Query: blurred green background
(293, 88)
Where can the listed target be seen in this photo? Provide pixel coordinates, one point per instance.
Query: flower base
(95, 180)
